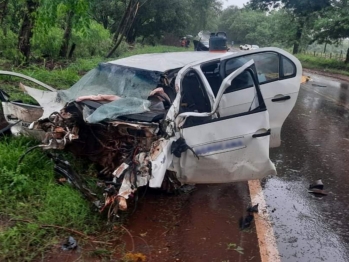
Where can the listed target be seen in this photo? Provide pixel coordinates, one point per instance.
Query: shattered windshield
(111, 79)
(129, 87)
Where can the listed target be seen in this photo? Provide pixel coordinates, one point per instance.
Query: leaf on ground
(143, 234)
(239, 250)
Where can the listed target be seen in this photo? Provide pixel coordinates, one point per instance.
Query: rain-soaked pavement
(204, 225)
(315, 146)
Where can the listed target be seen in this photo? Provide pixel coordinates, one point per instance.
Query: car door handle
(282, 98)
(262, 134)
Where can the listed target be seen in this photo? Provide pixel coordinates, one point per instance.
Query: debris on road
(318, 85)
(245, 222)
(253, 209)
(317, 184)
(70, 244)
(318, 192)
(305, 79)
(317, 188)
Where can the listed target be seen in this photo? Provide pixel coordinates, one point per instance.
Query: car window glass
(289, 68)
(211, 72)
(248, 97)
(267, 65)
(242, 81)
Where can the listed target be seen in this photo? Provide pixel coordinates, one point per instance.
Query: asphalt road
(315, 145)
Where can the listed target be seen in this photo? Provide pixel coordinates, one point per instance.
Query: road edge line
(265, 233)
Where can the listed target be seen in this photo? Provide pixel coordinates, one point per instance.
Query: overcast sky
(238, 3)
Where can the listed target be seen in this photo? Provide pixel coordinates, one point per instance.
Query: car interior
(194, 98)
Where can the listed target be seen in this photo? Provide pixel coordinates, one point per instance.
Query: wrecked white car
(166, 119)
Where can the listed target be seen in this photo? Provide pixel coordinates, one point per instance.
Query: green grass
(321, 63)
(29, 190)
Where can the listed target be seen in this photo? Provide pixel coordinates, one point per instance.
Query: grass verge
(30, 198)
(325, 64)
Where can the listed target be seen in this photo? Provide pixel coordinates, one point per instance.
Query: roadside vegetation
(32, 202)
(324, 64)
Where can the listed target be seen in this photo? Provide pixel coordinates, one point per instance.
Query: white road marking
(265, 233)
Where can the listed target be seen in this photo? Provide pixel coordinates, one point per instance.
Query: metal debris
(245, 222)
(317, 184)
(318, 192)
(70, 244)
(253, 209)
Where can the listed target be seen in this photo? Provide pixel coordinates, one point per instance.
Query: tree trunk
(125, 24)
(347, 57)
(3, 10)
(298, 37)
(26, 31)
(72, 48)
(325, 47)
(67, 35)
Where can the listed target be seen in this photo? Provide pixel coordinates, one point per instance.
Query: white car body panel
(237, 157)
(278, 111)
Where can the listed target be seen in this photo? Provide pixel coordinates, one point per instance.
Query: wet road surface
(200, 226)
(315, 146)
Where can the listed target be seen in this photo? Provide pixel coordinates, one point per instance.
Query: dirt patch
(328, 74)
(198, 226)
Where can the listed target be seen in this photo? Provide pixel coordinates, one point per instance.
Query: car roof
(163, 62)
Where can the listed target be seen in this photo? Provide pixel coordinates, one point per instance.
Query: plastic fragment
(70, 244)
(318, 185)
(253, 209)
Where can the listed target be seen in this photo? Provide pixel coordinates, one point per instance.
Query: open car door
(230, 148)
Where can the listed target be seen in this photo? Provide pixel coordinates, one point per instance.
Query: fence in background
(338, 56)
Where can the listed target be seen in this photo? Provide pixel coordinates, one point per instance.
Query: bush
(47, 44)
(8, 47)
(94, 41)
(314, 62)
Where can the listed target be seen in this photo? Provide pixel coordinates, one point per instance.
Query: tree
(3, 10)
(125, 24)
(107, 12)
(71, 13)
(227, 18)
(158, 17)
(333, 24)
(26, 31)
(302, 10)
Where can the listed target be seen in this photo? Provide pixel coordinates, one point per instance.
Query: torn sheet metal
(9, 73)
(161, 159)
(47, 100)
(20, 116)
